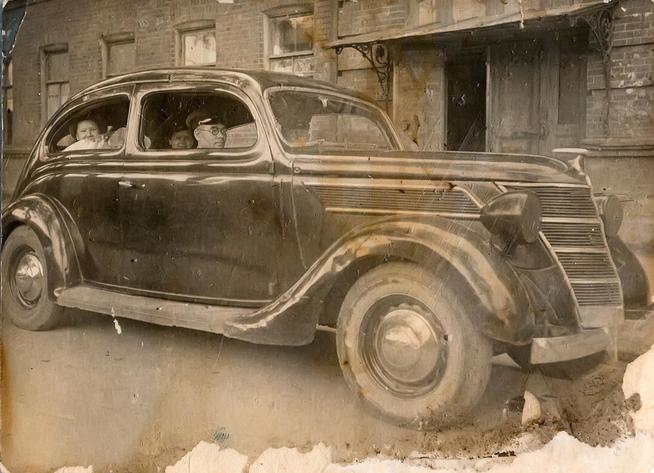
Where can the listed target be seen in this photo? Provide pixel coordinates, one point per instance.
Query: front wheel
(25, 282)
(407, 346)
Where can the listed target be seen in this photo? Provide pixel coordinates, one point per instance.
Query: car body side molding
(500, 303)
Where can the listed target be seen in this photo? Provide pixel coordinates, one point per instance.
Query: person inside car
(182, 138)
(89, 135)
(207, 128)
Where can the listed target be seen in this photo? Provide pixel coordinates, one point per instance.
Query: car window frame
(224, 155)
(64, 116)
(295, 150)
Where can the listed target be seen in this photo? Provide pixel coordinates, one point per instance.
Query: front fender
(500, 304)
(41, 214)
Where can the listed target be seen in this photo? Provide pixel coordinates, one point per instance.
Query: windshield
(308, 119)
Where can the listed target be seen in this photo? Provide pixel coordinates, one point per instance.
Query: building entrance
(466, 102)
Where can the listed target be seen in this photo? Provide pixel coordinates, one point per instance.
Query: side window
(99, 125)
(183, 120)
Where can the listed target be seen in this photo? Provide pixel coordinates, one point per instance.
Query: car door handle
(130, 184)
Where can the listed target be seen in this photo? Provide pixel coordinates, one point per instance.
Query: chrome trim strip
(363, 210)
(570, 220)
(580, 249)
(538, 184)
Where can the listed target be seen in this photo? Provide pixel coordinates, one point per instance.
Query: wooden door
(521, 102)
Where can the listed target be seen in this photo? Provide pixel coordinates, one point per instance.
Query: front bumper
(569, 347)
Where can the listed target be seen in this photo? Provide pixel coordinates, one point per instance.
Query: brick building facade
(467, 74)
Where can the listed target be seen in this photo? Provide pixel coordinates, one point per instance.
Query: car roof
(257, 78)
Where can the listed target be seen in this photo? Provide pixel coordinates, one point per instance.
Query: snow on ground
(563, 454)
(639, 381)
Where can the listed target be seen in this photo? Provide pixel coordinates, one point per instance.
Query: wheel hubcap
(405, 348)
(29, 280)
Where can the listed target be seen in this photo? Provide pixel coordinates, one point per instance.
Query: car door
(81, 177)
(200, 224)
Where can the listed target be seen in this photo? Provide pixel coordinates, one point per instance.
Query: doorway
(466, 102)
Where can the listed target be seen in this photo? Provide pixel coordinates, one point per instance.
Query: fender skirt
(40, 214)
(492, 291)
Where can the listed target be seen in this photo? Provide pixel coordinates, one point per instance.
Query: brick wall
(632, 76)
(364, 16)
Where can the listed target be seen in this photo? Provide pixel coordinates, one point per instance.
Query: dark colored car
(265, 207)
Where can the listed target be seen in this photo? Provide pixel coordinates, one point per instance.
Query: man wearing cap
(207, 129)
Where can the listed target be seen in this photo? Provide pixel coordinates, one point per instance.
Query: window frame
(107, 42)
(393, 137)
(183, 29)
(45, 53)
(48, 155)
(225, 155)
(269, 17)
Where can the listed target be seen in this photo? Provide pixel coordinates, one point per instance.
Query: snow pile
(289, 460)
(639, 381)
(209, 458)
(75, 469)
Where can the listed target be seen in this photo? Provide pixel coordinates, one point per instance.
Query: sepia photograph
(327, 236)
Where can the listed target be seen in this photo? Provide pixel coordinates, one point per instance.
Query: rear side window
(100, 125)
(184, 120)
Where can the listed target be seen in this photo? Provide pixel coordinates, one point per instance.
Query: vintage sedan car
(305, 212)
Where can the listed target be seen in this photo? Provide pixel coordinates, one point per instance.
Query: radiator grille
(555, 202)
(579, 246)
(445, 201)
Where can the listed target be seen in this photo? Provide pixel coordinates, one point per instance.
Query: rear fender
(42, 216)
(497, 300)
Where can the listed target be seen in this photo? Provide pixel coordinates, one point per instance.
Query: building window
(54, 77)
(8, 94)
(289, 41)
(118, 54)
(196, 43)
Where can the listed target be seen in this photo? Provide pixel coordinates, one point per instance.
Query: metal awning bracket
(379, 57)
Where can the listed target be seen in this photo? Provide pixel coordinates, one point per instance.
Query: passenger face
(182, 139)
(211, 136)
(87, 129)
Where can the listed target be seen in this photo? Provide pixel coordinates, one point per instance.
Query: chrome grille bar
(578, 242)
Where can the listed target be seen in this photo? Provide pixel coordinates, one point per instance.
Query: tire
(25, 288)
(385, 314)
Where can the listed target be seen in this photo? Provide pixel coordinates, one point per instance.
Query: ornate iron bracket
(379, 58)
(601, 24)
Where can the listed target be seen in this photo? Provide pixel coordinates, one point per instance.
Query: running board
(208, 318)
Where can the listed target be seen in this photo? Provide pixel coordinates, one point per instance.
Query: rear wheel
(407, 346)
(25, 283)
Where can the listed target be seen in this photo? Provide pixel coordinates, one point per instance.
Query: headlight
(515, 217)
(610, 209)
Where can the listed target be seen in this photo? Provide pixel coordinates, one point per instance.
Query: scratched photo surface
(420, 229)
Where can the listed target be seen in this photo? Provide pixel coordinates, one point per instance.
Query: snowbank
(75, 469)
(639, 380)
(210, 458)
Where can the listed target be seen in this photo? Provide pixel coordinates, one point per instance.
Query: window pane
(84, 129)
(282, 65)
(122, 58)
(65, 92)
(57, 67)
(53, 101)
(199, 48)
(303, 66)
(290, 35)
(196, 121)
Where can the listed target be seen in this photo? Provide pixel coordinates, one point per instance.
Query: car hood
(455, 166)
